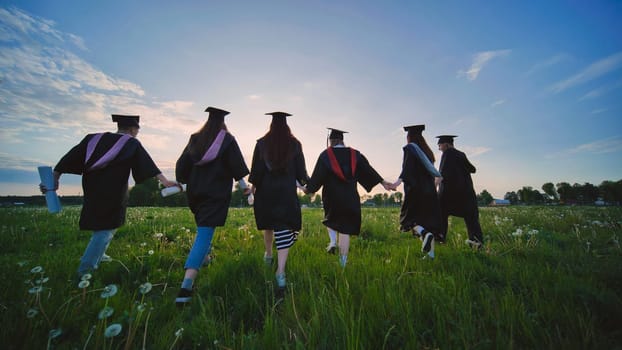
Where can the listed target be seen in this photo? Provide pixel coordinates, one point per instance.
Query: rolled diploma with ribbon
(47, 178)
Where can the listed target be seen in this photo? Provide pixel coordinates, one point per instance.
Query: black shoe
(331, 249)
(426, 244)
(183, 297)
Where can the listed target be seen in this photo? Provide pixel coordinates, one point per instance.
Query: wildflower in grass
(532, 232)
(106, 312)
(145, 288)
(37, 269)
(55, 333)
(22, 263)
(32, 313)
(141, 307)
(113, 330)
(518, 232)
(109, 290)
(179, 332)
(86, 277)
(35, 290)
(150, 252)
(83, 284)
(42, 280)
(143, 244)
(158, 235)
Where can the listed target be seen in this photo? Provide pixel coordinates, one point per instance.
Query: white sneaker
(473, 243)
(280, 280)
(426, 244)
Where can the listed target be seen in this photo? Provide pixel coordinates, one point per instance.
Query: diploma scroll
(47, 179)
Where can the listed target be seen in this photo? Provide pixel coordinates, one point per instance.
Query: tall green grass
(549, 277)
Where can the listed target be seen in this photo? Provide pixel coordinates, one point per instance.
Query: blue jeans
(200, 248)
(95, 250)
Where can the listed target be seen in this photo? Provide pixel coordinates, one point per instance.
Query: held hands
(247, 191)
(388, 186)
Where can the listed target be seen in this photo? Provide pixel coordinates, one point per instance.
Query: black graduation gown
(209, 185)
(420, 205)
(341, 201)
(106, 189)
(456, 192)
(276, 204)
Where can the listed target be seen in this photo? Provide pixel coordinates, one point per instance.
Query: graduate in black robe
(420, 212)
(278, 163)
(456, 193)
(338, 170)
(105, 160)
(208, 165)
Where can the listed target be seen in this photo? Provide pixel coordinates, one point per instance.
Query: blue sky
(532, 88)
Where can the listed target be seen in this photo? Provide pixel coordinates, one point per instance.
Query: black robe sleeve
(367, 176)
(183, 166)
(143, 167)
(301, 168)
(258, 167)
(73, 161)
(319, 175)
(235, 161)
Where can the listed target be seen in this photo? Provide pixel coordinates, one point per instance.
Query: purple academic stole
(108, 156)
(213, 149)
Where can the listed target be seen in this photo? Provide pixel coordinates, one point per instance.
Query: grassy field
(550, 277)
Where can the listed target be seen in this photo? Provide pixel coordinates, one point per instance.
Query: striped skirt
(285, 239)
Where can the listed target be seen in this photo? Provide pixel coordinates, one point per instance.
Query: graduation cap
(126, 120)
(278, 115)
(336, 134)
(446, 139)
(415, 128)
(216, 113)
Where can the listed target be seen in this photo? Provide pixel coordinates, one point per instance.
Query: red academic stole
(106, 158)
(334, 165)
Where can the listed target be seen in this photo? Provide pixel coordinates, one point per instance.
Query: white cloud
(548, 63)
(497, 103)
(599, 111)
(474, 151)
(591, 72)
(601, 91)
(479, 61)
(608, 145)
(10, 161)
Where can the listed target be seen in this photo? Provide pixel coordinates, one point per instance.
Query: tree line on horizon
(147, 194)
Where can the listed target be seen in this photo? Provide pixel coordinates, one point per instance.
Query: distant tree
(317, 200)
(305, 199)
(238, 199)
(611, 192)
(511, 196)
(586, 193)
(377, 199)
(146, 194)
(398, 197)
(566, 193)
(484, 198)
(550, 191)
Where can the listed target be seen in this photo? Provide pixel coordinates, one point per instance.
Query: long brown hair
(279, 144)
(418, 139)
(205, 136)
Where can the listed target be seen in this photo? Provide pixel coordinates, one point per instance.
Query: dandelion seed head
(35, 290)
(37, 269)
(141, 307)
(159, 235)
(105, 312)
(109, 290)
(113, 330)
(145, 288)
(143, 244)
(32, 313)
(150, 252)
(83, 284)
(86, 277)
(55, 333)
(179, 332)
